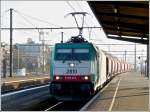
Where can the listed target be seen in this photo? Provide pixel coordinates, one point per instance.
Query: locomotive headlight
(86, 77)
(72, 64)
(57, 77)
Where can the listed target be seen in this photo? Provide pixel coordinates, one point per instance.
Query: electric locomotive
(73, 70)
(78, 68)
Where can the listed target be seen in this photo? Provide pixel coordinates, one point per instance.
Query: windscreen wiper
(65, 58)
(75, 58)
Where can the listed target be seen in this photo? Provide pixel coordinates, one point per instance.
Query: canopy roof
(123, 20)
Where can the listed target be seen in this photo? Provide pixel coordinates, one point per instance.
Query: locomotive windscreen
(72, 54)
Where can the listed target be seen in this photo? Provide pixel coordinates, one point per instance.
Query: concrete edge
(92, 100)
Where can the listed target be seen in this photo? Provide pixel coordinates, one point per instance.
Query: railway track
(75, 105)
(54, 105)
(39, 99)
(22, 88)
(42, 106)
(51, 107)
(36, 99)
(18, 100)
(67, 106)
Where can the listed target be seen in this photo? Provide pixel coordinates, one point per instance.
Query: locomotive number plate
(71, 71)
(71, 77)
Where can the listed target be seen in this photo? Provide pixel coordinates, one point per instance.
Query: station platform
(17, 82)
(126, 92)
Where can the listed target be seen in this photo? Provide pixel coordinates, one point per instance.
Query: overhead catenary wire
(3, 17)
(42, 21)
(31, 34)
(25, 18)
(89, 30)
(83, 11)
(74, 10)
(50, 28)
(37, 19)
(3, 13)
(85, 21)
(45, 28)
(91, 22)
(17, 22)
(26, 21)
(70, 5)
(22, 16)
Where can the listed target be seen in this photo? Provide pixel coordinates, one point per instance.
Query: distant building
(32, 55)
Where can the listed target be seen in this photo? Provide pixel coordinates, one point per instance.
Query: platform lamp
(141, 68)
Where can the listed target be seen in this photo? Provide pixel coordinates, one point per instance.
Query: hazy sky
(51, 14)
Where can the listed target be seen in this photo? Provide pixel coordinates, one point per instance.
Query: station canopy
(123, 20)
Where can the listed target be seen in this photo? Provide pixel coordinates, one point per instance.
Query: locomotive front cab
(71, 74)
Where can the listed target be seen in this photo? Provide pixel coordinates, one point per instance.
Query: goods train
(79, 68)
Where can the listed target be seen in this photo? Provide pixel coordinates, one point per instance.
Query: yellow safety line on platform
(112, 103)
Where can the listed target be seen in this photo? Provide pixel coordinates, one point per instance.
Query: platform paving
(126, 92)
(21, 82)
(20, 78)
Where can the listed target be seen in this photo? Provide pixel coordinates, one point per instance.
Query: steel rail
(53, 106)
(21, 91)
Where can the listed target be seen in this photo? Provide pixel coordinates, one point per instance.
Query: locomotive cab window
(81, 50)
(64, 50)
(72, 54)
